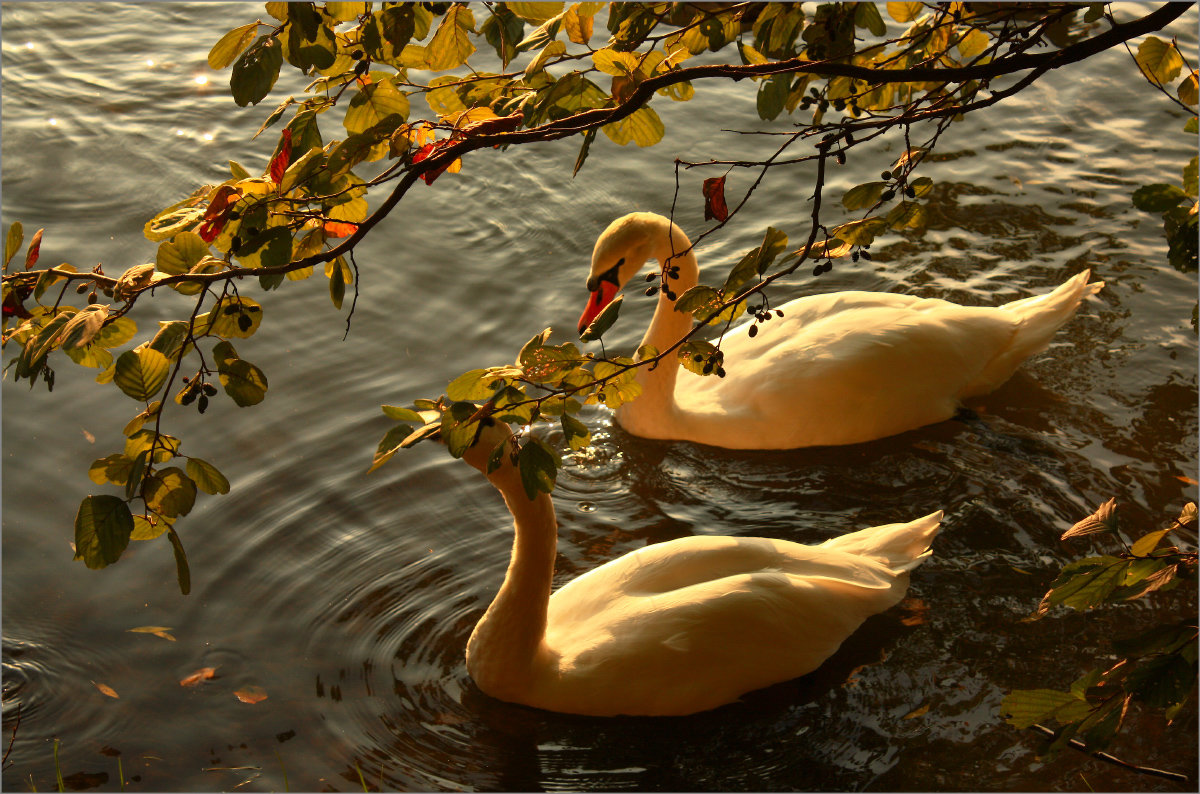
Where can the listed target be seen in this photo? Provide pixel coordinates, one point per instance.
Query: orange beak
(596, 303)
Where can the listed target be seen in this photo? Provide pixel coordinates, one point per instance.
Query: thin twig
(1076, 744)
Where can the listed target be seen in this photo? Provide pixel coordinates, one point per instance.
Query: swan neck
(509, 638)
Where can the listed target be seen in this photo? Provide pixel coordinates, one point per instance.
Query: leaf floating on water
(917, 611)
(203, 674)
(157, 631)
(1187, 480)
(251, 694)
(917, 712)
(106, 690)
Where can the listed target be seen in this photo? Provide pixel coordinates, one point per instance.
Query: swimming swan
(838, 368)
(678, 627)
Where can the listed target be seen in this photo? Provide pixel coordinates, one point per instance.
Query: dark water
(348, 598)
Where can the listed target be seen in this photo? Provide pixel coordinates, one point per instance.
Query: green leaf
(12, 241)
(141, 372)
(148, 527)
(538, 466)
(772, 96)
(1158, 639)
(170, 492)
(907, 215)
(694, 354)
(1147, 543)
(1087, 583)
(83, 327)
(137, 473)
(373, 104)
(33, 355)
(113, 468)
(1162, 681)
(103, 525)
(207, 477)
(180, 254)
(337, 282)
(866, 15)
(451, 44)
(182, 572)
(861, 232)
(458, 431)
(1158, 197)
(642, 127)
(389, 445)
(603, 321)
(244, 382)
(577, 433)
(478, 384)
(1190, 178)
(255, 72)
(402, 414)
(863, 196)
(1159, 60)
(230, 46)
(1025, 707)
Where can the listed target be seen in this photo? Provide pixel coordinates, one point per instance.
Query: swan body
(678, 627)
(838, 368)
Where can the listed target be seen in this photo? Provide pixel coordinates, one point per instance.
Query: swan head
(490, 435)
(622, 250)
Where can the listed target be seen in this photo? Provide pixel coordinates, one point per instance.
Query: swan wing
(844, 368)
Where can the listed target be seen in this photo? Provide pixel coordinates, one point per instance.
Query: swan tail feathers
(1039, 318)
(901, 546)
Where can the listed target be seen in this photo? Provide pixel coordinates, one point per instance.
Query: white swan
(839, 368)
(676, 627)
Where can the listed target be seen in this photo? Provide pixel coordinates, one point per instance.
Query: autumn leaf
(1103, 520)
(35, 249)
(714, 199)
(429, 150)
(157, 631)
(251, 694)
(279, 162)
(1184, 479)
(217, 214)
(917, 712)
(338, 229)
(106, 690)
(203, 674)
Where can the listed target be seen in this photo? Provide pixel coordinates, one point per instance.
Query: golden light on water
(201, 79)
(208, 136)
(53, 122)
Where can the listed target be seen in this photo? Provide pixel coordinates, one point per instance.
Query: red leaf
(714, 199)
(339, 229)
(217, 214)
(35, 248)
(203, 674)
(427, 151)
(279, 162)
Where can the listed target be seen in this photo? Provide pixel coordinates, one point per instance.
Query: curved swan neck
(672, 248)
(509, 637)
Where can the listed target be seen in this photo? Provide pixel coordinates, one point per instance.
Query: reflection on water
(348, 598)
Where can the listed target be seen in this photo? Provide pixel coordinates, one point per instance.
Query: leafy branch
(1156, 668)
(358, 129)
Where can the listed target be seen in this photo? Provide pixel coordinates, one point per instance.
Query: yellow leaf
(451, 46)
(618, 64)
(975, 42)
(1187, 90)
(1161, 61)
(904, 12)
(106, 689)
(642, 127)
(537, 13)
(157, 631)
(918, 712)
(578, 24)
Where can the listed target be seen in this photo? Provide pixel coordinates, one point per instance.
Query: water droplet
(587, 507)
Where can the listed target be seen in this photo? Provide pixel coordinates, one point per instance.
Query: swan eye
(612, 276)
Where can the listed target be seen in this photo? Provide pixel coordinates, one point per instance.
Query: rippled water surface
(348, 598)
